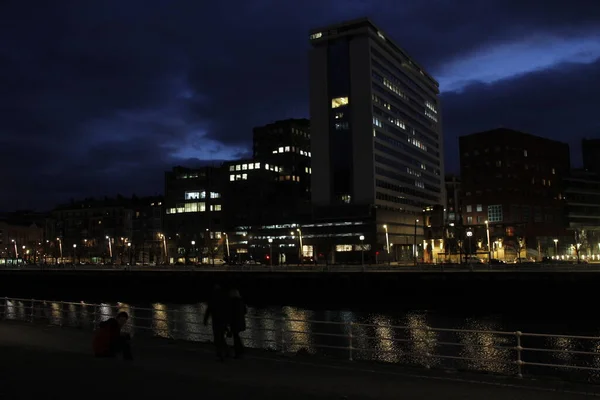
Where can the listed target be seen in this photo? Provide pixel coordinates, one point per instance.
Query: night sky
(99, 97)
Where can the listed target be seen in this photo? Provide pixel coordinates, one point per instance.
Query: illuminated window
(339, 115)
(524, 153)
(244, 167)
(232, 167)
(553, 171)
(232, 177)
(215, 207)
(346, 198)
(495, 213)
(479, 207)
(267, 167)
(238, 167)
(192, 195)
(274, 151)
(214, 195)
(343, 247)
(256, 165)
(339, 102)
(251, 166)
(287, 148)
(316, 35)
(469, 208)
(377, 122)
(281, 149)
(244, 176)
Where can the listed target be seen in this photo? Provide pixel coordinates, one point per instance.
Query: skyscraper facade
(376, 136)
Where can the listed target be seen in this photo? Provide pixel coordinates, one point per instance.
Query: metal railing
(415, 344)
(382, 267)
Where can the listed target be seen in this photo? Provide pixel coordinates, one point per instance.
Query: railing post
(282, 335)
(32, 315)
(350, 341)
(519, 355)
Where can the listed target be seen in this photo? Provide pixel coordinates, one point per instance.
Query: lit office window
(339, 102)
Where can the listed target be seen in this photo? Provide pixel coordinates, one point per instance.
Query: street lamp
(60, 248)
(129, 250)
(362, 249)
(74, 252)
(556, 247)
(16, 251)
(487, 230)
(227, 245)
(110, 252)
(271, 251)
(387, 243)
(415, 243)
(469, 235)
(301, 246)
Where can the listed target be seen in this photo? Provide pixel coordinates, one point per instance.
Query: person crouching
(109, 341)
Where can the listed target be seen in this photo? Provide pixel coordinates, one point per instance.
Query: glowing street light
(227, 244)
(487, 230)
(110, 252)
(556, 247)
(271, 251)
(362, 249)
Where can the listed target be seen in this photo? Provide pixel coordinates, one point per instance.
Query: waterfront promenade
(54, 363)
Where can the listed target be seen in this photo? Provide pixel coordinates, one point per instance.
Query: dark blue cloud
(101, 96)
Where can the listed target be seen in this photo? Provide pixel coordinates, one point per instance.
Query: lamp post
(129, 250)
(487, 230)
(60, 248)
(74, 253)
(387, 243)
(469, 235)
(556, 247)
(16, 251)
(301, 247)
(415, 243)
(362, 249)
(271, 251)
(227, 245)
(110, 253)
(193, 242)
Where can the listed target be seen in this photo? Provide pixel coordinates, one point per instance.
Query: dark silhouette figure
(110, 341)
(217, 310)
(237, 320)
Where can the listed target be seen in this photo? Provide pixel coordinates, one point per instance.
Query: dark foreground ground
(53, 363)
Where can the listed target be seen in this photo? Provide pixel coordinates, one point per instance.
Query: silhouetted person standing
(110, 341)
(217, 310)
(237, 320)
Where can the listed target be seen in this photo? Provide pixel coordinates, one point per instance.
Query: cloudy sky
(100, 97)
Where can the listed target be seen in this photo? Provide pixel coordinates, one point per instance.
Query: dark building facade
(590, 149)
(95, 230)
(377, 145)
(193, 220)
(582, 196)
(512, 186)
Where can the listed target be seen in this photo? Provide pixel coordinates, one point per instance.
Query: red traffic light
(268, 257)
(377, 253)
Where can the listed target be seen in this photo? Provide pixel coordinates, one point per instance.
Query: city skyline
(94, 104)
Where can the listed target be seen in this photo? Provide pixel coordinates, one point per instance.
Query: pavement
(50, 362)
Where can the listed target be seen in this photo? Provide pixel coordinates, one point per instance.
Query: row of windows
(399, 200)
(400, 166)
(253, 166)
(292, 178)
(191, 175)
(308, 170)
(192, 207)
(403, 189)
(392, 83)
(402, 145)
(384, 104)
(410, 85)
(201, 195)
(292, 149)
(408, 190)
(431, 115)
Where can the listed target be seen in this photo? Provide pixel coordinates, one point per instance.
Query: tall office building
(376, 138)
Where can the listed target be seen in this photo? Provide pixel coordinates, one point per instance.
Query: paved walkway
(54, 363)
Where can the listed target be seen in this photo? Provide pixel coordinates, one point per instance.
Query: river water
(485, 343)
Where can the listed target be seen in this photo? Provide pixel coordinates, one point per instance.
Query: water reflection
(474, 344)
(161, 320)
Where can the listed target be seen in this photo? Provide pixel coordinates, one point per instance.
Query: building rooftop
(368, 23)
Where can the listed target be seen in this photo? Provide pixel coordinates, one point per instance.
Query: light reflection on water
(406, 339)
